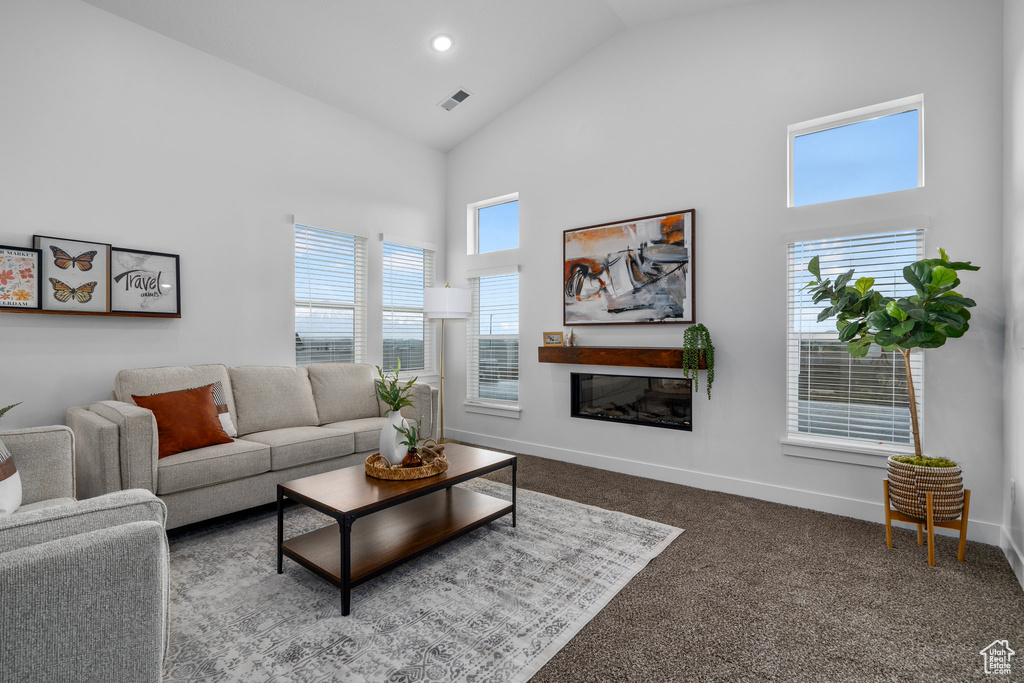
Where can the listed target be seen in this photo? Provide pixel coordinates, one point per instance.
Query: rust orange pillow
(185, 419)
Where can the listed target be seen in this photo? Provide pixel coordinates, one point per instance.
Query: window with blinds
(407, 334)
(330, 297)
(493, 363)
(830, 393)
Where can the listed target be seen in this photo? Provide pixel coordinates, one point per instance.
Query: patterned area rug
(494, 605)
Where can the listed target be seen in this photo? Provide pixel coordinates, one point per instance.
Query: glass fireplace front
(649, 401)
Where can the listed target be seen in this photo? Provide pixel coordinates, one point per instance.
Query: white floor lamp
(445, 303)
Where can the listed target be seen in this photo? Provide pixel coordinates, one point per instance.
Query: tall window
(493, 364)
(858, 153)
(830, 393)
(407, 334)
(494, 224)
(330, 296)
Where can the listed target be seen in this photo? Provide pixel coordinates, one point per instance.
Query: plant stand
(928, 523)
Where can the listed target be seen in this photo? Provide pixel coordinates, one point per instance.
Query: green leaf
(859, 348)
(864, 284)
(848, 332)
(954, 320)
(893, 309)
(880, 320)
(885, 338)
(943, 255)
(942, 276)
(954, 299)
(903, 328)
(843, 279)
(934, 342)
(814, 268)
(911, 276)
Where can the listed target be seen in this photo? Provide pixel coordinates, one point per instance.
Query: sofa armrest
(92, 607)
(44, 456)
(137, 446)
(97, 462)
(423, 408)
(62, 521)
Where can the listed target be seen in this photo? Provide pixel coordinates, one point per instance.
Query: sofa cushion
(366, 430)
(211, 465)
(149, 381)
(185, 420)
(343, 391)
(293, 446)
(269, 398)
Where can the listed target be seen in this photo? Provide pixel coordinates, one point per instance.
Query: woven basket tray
(434, 462)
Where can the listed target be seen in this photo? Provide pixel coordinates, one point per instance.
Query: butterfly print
(63, 293)
(64, 260)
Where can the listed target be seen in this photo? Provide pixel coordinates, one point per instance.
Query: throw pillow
(222, 409)
(10, 483)
(185, 420)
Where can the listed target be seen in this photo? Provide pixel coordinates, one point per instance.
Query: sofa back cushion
(272, 398)
(343, 391)
(150, 381)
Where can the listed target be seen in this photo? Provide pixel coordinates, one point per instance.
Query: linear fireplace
(649, 401)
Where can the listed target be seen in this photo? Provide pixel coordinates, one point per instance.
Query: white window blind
(407, 334)
(493, 363)
(830, 393)
(330, 296)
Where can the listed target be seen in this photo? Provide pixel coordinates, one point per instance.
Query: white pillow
(10, 483)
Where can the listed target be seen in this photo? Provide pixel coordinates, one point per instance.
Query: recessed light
(441, 43)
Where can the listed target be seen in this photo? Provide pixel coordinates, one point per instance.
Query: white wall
(113, 133)
(693, 114)
(1013, 278)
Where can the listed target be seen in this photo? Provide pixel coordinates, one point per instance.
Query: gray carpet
(755, 591)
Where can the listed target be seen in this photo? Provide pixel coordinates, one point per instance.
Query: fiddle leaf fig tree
(926, 319)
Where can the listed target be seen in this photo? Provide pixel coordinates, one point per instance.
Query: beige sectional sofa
(292, 422)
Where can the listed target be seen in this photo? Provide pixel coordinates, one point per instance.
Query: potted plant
(698, 354)
(926, 319)
(395, 395)
(411, 432)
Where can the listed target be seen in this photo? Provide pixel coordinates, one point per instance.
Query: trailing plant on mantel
(924, 320)
(697, 342)
(3, 411)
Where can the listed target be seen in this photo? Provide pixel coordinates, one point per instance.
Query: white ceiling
(372, 58)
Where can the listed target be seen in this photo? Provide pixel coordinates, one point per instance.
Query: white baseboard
(1013, 554)
(871, 511)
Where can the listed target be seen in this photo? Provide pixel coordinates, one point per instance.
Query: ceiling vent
(454, 100)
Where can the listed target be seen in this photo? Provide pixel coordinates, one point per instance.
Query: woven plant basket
(909, 484)
(434, 462)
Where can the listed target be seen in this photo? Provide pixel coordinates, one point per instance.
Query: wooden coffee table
(398, 520)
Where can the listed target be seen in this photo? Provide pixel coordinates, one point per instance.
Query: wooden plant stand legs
(928, 524)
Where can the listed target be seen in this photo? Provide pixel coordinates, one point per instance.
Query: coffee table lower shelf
(384, 539)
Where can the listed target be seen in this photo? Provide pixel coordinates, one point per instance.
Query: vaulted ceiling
(372, 58)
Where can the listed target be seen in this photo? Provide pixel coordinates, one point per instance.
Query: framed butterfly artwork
(75, 275)
(144, 282)
(19, 278)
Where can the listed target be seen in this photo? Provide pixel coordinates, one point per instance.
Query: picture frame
(75, 274)
(144, 282)
(639, 271)
(19, 278)
(553, 339)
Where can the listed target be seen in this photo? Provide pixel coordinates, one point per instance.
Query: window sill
(495, 409)
(850, 452)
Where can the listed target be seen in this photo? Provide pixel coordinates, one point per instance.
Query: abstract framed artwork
(144, 282)
(19, 278)
(75, 274)
(632, 272)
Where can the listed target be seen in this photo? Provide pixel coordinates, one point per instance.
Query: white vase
(389, 437)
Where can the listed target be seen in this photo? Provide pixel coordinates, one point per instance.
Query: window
(858, 153)
(494, 224)
(830, 393)
(493, 364)
(407, 334)
(330, 296)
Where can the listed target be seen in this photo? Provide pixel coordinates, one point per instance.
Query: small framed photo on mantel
(553, 339)
(75, 274)
(144, 282)
(19, 278)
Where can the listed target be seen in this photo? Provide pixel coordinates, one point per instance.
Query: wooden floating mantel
(614, 355)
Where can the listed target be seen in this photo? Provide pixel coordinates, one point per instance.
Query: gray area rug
(495, 605)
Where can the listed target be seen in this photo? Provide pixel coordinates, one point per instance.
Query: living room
(117, 134)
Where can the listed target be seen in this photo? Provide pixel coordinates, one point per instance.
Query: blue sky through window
(498, 227)
(856, 160)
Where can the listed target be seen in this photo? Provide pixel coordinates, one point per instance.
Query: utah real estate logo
(997, 657)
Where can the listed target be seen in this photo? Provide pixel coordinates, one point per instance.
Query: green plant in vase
(411, 432)
(697, 346)
(395, 394)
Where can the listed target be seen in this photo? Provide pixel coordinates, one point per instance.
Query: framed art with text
(19, 278)
(75, 274)
(637, 271)
(144, 282)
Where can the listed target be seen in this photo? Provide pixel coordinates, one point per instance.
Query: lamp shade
(446, 302)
